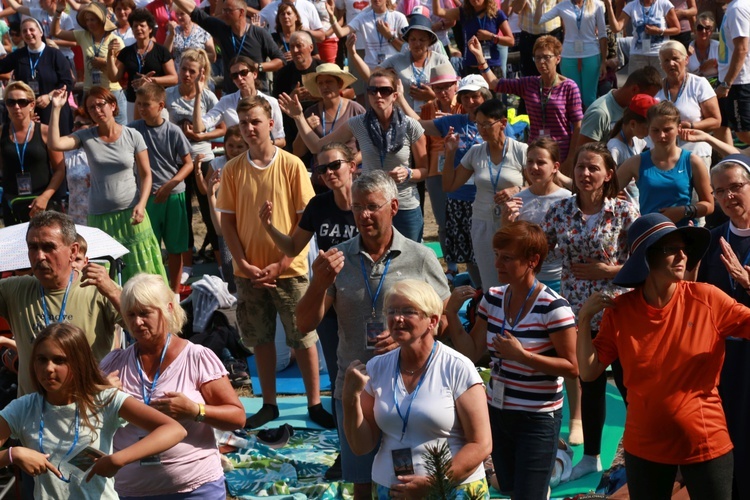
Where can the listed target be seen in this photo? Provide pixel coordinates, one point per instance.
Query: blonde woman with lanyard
(584, 51)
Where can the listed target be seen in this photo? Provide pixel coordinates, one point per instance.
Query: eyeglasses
(383, 91)
(487, 126)
(333, 166)
(368, 209)
(96, 106)
(703, 27)
(241, 73)
(408, 312)
(669, 251)
(19, 102)
(544, 59)
(731, 189)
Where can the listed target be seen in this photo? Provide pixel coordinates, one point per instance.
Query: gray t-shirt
(534, 209)
(600, 117)
(409, 260)
(408, 197)
(181, 109)
(167, 146)
(114, 179)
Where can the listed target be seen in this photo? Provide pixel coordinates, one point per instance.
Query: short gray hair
(307, 36)
(673, 45)
(376, 181)
(50, 218)
(727, 165)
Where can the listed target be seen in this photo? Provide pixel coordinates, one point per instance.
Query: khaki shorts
(257, 309)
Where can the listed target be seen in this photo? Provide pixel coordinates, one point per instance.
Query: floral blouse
(574, 243)
(196, 40)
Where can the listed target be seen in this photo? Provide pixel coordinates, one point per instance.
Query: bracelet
(485, 70)
(391, 39)
(409, 173)
(201, 416)
(10, 454)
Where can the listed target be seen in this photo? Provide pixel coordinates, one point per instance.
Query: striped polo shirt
(525, 388)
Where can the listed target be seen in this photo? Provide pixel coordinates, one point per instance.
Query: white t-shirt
(364, 26)
(510, 174)
(226, 110)
(308, 15)
(736, 24)
(621, 152)
(352, 8)
(584, 39)
(697, 90)
(402, 64)
(533, 210)
(713, 53)
(23, 416)
(433, 416)
(656, 15)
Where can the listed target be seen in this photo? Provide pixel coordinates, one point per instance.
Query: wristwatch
(725, 85)
(260, 67)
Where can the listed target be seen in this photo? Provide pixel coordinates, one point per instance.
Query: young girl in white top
(66, 427)
(627, 138)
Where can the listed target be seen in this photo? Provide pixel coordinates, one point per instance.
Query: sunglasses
(333, 166)
(20, 102)
(240, 73)
(383, 91)
(701, 27)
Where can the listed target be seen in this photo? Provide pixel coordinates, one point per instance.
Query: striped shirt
(525, 388)
(562, 111)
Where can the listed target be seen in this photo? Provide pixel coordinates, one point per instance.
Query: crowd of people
(607, 226)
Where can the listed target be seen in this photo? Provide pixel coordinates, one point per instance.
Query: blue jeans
(410, 223)
(524, 446)
(122, 104)
(355, 469)
(434, 187)
(587, 77)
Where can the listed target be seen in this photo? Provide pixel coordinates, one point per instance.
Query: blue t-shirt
(665, 188)
(468, 136)
(471, 25)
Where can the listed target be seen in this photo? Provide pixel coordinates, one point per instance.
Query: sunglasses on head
(333, 166)
(20, 102)
(384, 91)
(702, 27)
(237, 74)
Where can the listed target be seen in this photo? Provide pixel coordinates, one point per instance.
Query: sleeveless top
(665, 188)
(36, 162)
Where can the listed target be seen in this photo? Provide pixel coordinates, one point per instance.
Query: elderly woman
(43, 68)
(185, 381)
(704, 50)
(387, 139)
(330, 113)
(416, 396)
(669, 335)
(184, 34)
(553, 101)
(529, 331)
(692, 94)
(144, 61)
(724, 267)
(32, 171)
(94, 39)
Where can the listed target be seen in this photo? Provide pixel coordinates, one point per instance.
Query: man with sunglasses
(236, 37)
(268, 282)
(353, 277)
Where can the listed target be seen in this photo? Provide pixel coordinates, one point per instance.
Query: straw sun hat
(310, 80)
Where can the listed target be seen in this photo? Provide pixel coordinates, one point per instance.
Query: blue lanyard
(22, 152)
(744, 263)
(97, 50)
(35, 64)
(679, 92)
(625, 141)
(645, 13)
(242, 41)
(147, 397)
(142, 57)
(72, 446)
(544, 100)
(338, 110)
(494, 180)
(405, 418)
(471, 139)
(286, 45)
(518, 316)
(375, 21)
(579, 14)
(45, 309)
(419, 76)
(374, 299)
(482, 21)
(187, 39)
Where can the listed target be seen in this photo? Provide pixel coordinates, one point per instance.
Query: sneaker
(237, 373)
(334, 471)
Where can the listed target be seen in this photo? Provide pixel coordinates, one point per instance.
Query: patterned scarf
(387, 141)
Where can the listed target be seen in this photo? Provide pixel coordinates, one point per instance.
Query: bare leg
(174, 263)
(573, 390)
(308, 366)
(265, 359)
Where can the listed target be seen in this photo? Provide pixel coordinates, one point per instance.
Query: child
(171, 163)
(81, 260)
(666, 175)
(72, 418)
(234, 145)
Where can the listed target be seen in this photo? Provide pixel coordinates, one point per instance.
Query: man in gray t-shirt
(353, 278)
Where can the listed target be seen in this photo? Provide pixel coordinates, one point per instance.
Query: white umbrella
(14, 254)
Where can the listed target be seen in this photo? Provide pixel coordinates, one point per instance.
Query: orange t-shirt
(671, 359)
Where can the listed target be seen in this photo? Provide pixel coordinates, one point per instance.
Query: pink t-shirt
(192, 462)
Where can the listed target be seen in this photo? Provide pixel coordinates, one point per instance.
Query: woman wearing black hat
(669, 336)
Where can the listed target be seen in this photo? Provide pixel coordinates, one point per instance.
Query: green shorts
(169, 222)
(257, 309)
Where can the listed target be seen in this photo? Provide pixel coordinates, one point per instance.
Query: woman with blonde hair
(704, 50)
